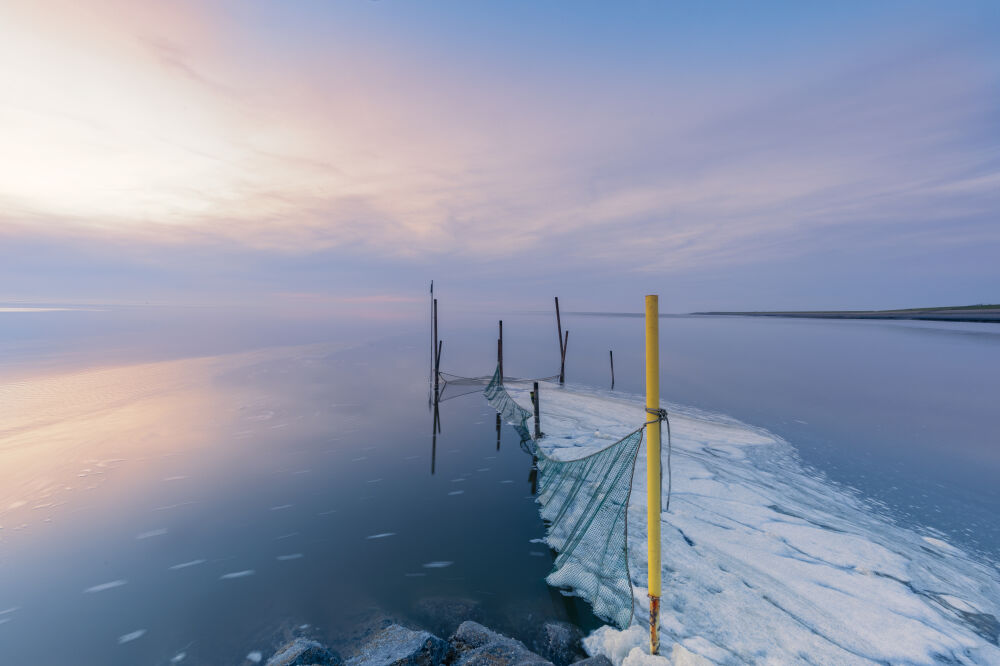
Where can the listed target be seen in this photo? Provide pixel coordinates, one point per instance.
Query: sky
(732, 156)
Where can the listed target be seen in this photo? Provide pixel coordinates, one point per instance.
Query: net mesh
(584, 503)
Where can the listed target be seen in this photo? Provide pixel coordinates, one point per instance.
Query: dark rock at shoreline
(560, 642)
(399, 646)
(302, 652)
(475, 645)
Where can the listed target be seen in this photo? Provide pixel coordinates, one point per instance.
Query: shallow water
(154, 504)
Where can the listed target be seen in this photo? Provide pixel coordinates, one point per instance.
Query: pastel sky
(725, 155)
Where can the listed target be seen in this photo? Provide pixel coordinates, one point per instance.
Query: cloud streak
(178, 126)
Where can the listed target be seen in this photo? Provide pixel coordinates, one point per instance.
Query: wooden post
(433, 335)
(611, 354)
(562, 363)
(535, 402)
(500, 351)
(562, 346)
(437, 366)
(435, 429)
(653, 478)
(436, 351)
(498, 431)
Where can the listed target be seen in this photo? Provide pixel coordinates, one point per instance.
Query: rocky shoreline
(471, 644)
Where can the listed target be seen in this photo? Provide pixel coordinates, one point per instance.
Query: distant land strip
(976, 313)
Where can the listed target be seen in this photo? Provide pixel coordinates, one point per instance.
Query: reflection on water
(211, 506)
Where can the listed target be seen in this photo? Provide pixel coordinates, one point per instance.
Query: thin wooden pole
(437, 366)
(653, 481)
(611, 354)
(562, 347)
(498, 431)
(535, 402)
(435, 429)
(562, 363)
(500, 351)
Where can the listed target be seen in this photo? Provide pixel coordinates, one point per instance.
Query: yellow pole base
(654, 625)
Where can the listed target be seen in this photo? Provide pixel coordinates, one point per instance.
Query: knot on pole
(660, 414)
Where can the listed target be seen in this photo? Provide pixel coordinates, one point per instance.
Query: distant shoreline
(968, 313)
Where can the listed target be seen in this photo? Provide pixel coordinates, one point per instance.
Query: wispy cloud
(177, 125)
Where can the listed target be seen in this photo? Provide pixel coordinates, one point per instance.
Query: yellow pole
(653, 467)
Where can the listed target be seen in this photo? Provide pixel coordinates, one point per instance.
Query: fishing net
(584, 503)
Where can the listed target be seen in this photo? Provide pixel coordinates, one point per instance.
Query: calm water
(287, 476)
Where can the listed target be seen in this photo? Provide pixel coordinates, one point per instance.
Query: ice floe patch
(151, 534)
(438, 564)
(381, 535)
(178, 658)
(255, 657)
(131, 636)
(766, 561)
(457, 492)
(289, 557)
(105, 586)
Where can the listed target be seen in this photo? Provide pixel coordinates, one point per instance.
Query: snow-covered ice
(765, 561)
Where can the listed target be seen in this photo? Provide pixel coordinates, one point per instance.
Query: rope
(661, 416)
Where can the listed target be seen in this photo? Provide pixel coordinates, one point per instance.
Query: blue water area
(207, 482)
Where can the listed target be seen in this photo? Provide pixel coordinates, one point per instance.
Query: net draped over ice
(585, 504)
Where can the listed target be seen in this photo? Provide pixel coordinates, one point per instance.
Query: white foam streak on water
(766, 561)
(237, 574)
(185, 565)
(105, 586)
(128, 638)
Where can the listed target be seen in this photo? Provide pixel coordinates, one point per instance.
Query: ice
(151, 533)
(237, 574)
(105, 586)
(13, 609)
(129, 637)
(282, 507)
(178, 658)
(289, 557)
(765, 561)
(185, 565)
(255, 657)
(438, 565)
(457, 492)
(381, 535)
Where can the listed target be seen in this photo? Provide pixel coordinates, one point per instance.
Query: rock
(599, 660)
(442, 615)
(560, 643)
(399, 646)
(474, 645)
(302, 652)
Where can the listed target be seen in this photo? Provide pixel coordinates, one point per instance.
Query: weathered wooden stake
(500, 351)
(535, 402)
(437, 366)
(498, 431)
(562, 345)
(611, 354)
